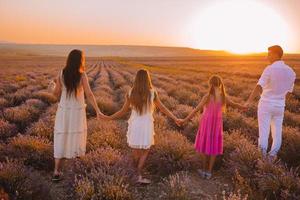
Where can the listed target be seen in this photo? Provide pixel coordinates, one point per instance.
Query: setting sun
(238, 27)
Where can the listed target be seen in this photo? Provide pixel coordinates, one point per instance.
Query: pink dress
(209, 139)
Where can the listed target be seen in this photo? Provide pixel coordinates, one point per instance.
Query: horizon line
(138, 45)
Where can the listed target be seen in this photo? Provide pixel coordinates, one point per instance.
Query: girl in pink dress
(209, 139)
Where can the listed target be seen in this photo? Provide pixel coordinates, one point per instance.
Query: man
(276, 81)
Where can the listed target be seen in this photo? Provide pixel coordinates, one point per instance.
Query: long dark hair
(140, 94)
(73, 71)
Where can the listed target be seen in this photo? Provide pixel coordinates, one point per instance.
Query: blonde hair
(216, 81)
(140, 96)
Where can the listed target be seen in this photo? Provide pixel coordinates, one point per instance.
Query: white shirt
(276, 81)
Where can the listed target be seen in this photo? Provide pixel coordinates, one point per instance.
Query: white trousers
(270, 116)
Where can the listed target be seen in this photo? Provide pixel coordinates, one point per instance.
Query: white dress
(140, 133)
(70, 129)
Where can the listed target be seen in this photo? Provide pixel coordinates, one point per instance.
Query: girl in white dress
(70, 129)
(141, 100)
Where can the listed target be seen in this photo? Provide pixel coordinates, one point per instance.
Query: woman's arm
(234, 104)
(198, 108)
(57, 88)
(123, 110)
(163, 108)
(90, 96)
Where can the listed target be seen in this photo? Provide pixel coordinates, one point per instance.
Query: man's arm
(262, 82)
(290, 92)
(256, 91)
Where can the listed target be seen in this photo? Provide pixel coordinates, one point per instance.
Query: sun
(238, 27)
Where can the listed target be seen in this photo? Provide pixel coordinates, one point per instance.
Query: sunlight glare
(238, 27)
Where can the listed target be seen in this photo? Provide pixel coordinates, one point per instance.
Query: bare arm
(57, 89)
(234, 104)
(89, 94)
(198, 108)
(123, 111)
(256, 91)
(163, 108)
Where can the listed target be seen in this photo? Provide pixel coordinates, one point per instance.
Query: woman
(141, 100)
(70, 129)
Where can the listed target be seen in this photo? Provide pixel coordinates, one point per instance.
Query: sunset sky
(239, 26)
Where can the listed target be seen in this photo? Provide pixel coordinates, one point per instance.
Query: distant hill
(11, 49)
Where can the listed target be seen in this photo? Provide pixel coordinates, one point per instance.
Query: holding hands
(100, 115)
(200, 106)
(180, 122)
(51, 85)
(246, 105)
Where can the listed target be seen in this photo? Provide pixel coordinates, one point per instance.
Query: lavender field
(27, 114)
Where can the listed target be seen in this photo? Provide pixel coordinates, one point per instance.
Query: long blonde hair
(140, 96)
(216, 81)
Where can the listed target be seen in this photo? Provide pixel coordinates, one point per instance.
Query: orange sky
(136, 22)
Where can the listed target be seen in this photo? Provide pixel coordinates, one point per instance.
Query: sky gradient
(137, 22)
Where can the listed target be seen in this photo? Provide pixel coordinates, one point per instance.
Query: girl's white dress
(140, 133)
(70, 129)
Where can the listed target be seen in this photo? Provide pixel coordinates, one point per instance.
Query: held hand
(107, 117)
(183, 121)
(98, 115)
(51, 85)
(246, 104)
(244, 108)
(179, 122)
(102, 116)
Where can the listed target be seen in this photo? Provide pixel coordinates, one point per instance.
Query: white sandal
(201, 173)
(57, 177)
(208, 175)
(143, 180)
